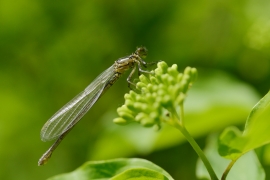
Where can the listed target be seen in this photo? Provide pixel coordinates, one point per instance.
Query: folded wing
(73, 111)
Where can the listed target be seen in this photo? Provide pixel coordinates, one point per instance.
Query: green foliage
(233, 143)
(117, 169)
(248, 167)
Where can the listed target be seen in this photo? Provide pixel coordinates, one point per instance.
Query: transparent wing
(74, 110)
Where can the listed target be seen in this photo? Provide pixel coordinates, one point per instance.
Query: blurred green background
(51, 50)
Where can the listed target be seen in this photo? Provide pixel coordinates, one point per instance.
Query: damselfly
(58, 126)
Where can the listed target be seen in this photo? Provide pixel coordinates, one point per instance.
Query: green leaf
(265, 155)
(257, 128)
(247, 167)
(117, 169)
(233, 143)
(140, 174)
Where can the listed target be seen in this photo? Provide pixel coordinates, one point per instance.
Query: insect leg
(142, 71)
(146, 64)
(130, 76)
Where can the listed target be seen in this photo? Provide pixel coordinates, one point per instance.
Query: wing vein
(72, 112)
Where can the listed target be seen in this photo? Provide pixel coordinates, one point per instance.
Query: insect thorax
(123, 64)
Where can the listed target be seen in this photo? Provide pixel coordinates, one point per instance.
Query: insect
(59, 125)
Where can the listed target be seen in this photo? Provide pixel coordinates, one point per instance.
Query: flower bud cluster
(164, 90)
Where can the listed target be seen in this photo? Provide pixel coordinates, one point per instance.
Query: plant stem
(178, 122)
(181, 120)
(228, 169)
(198, 151)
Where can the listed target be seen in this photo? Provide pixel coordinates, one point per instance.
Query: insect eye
(142, 52)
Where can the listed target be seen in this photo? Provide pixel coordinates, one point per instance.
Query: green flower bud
(172, 89)
(159, 92)
(150, 87)
(126, 117)
(132, 95)
(140, 85)
(180, 99)
(166, 101)
(140, 99)
(130, 105)
(194, 74)
(173, 70)
(184, 85)
(140, 117)
(141, 106)
(125, 109)
(171, 80)
(158, 72)
(147, 122)
(154, 115)
(144, 79)
(163, 66)
(120, 121)
(179, 77)
(153, 80)
(177, 89)
(144, 90)
(187, 70)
